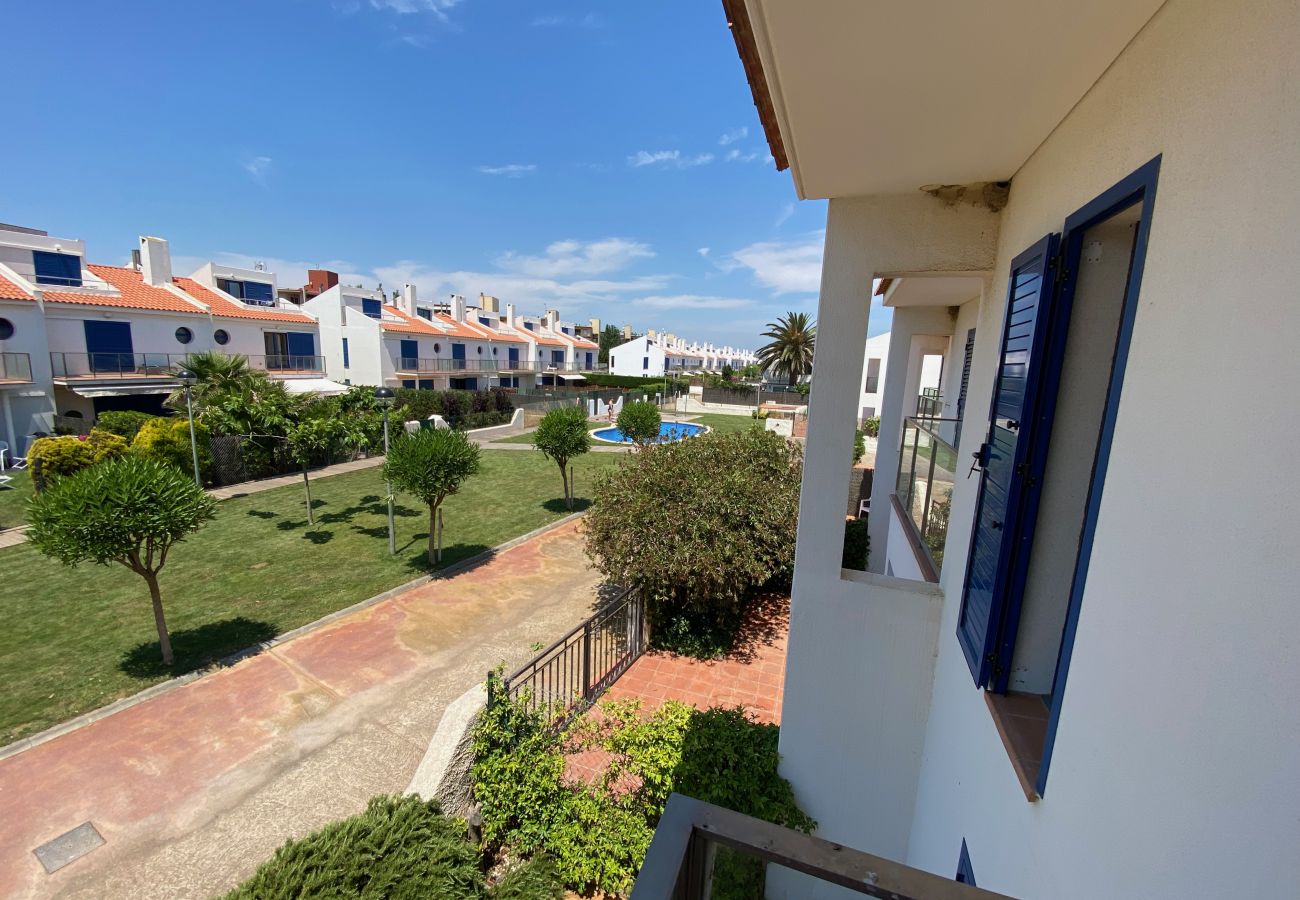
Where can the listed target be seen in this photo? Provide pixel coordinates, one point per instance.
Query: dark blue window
(512, 354)
(557, 357)
(109, 347)
(259, 292)
(645, 362)
(458, 353)
(426, 384)
(410, 353)
(965, 872)
(565, 329)
(302, 349)
(57, 268)
(482, 320)
(347, 361)
(425, 313)
(408, 382)
(372, 308)
(528, 325)
(589, 360)
(1005, 508)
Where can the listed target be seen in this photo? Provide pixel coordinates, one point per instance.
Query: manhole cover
(69, 847)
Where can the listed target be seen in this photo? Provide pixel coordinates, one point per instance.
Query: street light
(188, 379)
(385, 398)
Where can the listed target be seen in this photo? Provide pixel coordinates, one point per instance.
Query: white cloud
(258, 167)
(513, 170)
(735, 155)
(571, 258)
(735, 134)
(786, 267)
(288, 272)
(692, 301)
(527, 292)
(786, 212)
(668, 159)
(436, 8)
(703, 251)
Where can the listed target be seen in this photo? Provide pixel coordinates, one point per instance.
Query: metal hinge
(1023, 471)
(1058, 264)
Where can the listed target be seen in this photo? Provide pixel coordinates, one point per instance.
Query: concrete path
(193, 788)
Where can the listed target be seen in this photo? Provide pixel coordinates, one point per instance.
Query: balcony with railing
(69, 367)
(407, 365)
(700, 850)
(15, 368)
(285, 364)
(927, 466)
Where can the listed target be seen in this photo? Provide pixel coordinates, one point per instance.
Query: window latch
(981, 460)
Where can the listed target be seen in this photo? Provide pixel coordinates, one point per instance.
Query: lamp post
(188, 379)
(385, 397)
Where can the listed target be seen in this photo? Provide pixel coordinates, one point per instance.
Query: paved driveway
(193, 788)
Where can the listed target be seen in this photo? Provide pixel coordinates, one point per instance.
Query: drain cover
(66, 848)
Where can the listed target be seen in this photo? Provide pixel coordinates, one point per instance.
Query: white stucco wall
(1175, 766)
(628, 359)
(30, 406)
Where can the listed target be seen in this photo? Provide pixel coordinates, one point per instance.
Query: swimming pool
(668, 433)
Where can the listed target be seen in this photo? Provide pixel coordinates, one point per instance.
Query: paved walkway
(193, 788)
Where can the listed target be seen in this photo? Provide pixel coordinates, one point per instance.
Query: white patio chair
(5, 479)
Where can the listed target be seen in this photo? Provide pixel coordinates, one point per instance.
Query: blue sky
(603, 158)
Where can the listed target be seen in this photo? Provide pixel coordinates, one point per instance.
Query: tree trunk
(433, 529)
(568, 498)
(164, 640)
(306, 486)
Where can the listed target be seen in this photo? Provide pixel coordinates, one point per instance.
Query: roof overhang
(122, 390)
(321, 386)
(933, 290)
(882, 97)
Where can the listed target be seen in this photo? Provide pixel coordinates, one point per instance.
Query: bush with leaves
(125, 423)
(317, 440)
(639, 421)
(399, 847)
(872, 426)
(598, 832)
(167, 439)
(857, 545)
(699, 523)
(54, 457)
(130, 511)
(562, 435)
(431, 465)
(859, 446)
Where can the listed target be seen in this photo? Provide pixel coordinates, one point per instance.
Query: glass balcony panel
(927, 467)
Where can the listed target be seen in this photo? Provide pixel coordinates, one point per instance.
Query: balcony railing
(411, 364)
(287, 363)
(927, 467)
(116, 365)
(15, 368)
(700, 850)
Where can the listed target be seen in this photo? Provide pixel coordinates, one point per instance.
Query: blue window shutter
(557, 357)
(108, 346)
(372, 308)
(589, 360)
(965, 381)
(410, 353)
(513, 355)
(994, 570)
(965, 872)
(408, 383)
(301, 344)
(457, 351)
(426, 384)
(346, 360)
(57, 268)
(259, 292)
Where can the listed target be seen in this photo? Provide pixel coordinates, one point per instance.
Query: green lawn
(724, 423)
(75, 639)
(525, 438)
(14, 497)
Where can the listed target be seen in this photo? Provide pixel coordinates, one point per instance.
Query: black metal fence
(749, 397)
(567, 677)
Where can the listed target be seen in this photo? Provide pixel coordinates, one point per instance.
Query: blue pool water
(668, 433)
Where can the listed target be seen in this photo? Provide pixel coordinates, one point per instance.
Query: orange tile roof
(460, 329)
(487, 333)
(408, 324)
(222, 306)
(11, 291)
(547, 340)
(133, 293)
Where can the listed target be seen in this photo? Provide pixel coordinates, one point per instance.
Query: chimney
(488, 303)
(155, 261)
(408, 299)
(135, 259)
(650, 333)
(458, 307)
(320, 280)
(627, 332)
(595, 326)
(510, 314)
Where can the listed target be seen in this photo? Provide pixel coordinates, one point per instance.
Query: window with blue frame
(965, 871)
(528, 325)
(347, 359)
(557, 357)
(57, 268)
(410, 355)
(372, 308)
(645, 362)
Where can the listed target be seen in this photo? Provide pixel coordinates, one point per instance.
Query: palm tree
(219, 375)
(790, 352)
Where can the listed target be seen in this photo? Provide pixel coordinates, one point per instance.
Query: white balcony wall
(151, 332)
(338, 320)
(26, 408)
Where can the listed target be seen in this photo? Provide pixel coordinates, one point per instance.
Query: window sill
(1021, 720)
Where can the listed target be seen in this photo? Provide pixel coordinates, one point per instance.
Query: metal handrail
(568, 676)
(116, 365)
(287, 362)
(433, 364)
(679, 864)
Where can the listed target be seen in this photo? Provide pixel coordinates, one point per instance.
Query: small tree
(431, 465)
(129, 511)
(640, 421)
(317, 438)
(562, 435)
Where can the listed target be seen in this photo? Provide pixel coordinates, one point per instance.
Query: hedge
(461, 409)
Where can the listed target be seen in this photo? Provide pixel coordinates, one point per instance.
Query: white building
(638, 357)
(653, 354)
(931, 366)
(1095, 695)
(79, 338)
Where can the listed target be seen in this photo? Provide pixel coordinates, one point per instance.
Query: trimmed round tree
(130, 511)
(561, 435)
(431, 465)
(639, 421)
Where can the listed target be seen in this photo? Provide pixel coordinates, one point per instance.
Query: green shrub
(759, 414)
(699, 523)
(168, 440)
(623, 381)
(485, 419)
(872, 426)
(857, 545)
(639, 421)
(698, 631)
(859, 446)
(598, 833)
(53, 457)
(125, 422)
(400, 847)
